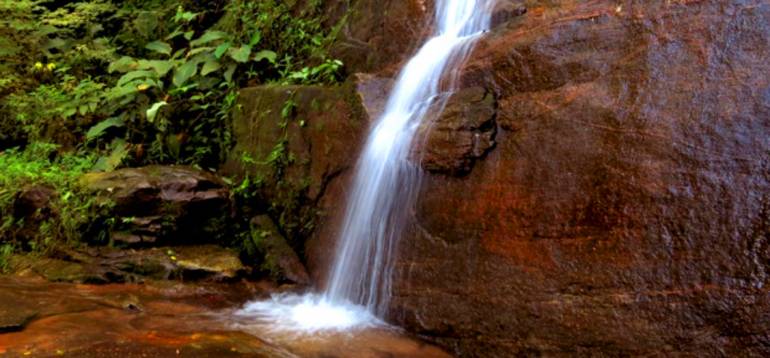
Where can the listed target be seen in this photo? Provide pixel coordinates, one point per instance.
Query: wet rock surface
(296, 141)
(104, 265)
(165, 319)
(280, 260)
(162, 205)
(463, 133)
(32, 206)
(624, 209)
(14, 314)
(379, 34)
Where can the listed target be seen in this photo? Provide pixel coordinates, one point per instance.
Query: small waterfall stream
(385, 184)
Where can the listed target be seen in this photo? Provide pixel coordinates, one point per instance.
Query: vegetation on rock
(96, 85)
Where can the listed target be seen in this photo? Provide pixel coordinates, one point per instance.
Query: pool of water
(174, 319)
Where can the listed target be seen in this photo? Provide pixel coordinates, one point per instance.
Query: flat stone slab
(108, 265)
(14, 313)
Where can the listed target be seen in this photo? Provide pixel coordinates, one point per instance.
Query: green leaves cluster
(149, 81)
(41, 164)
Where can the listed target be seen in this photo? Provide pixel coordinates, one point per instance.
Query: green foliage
(161, 75)
(6, 250)
(75, 214)
(137, 82)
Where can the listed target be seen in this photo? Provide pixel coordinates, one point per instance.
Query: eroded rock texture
(598, 185)
(293, 143)
(162, 205)
(625, 206)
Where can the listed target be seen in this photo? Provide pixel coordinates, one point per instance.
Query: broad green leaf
(119, 92)
(115, 158)
(221, 49)
(153, 111)
(69, 112)
(146, 22)
(99, 129)
(159, 46)
(173, 144)
(179, 53)
(207, 37)
(210, 66)
(265, 55)
(255, 38)
(124, 64)
(198, 50)
(56, 43)
(230, 71)
(240, 54)
(184, 73)
(160, 67)
(174, 34)
(8, 47)
(128, 77)
(188, 35)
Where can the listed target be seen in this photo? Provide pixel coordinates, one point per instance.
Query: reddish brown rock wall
(625, 209)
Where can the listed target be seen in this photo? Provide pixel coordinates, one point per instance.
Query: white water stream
(384, 187)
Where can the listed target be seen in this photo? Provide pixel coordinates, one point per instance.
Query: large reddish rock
(625, 207)
(293, 143)
(378, 34)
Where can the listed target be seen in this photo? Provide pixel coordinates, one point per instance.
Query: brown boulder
(104, 265)
(625, 209)
(32, 206)
(379, 34)
(463, 133)
(279, 259)
(161, 205)
(294, 141)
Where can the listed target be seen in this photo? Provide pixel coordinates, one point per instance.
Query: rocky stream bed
(166, 319)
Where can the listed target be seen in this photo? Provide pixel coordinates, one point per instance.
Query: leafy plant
(78, 215)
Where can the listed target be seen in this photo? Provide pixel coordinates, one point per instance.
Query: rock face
(162, 205)
(379, 33)
(32, 205)
(280, 260)
(463, 132)
(625, 207)
(293, 142)
(105, 265)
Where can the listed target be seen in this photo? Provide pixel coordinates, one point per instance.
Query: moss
(70, 215)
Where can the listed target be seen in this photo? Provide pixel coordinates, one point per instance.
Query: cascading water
(383, 189)
(385, 184)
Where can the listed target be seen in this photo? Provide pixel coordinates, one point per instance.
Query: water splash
(308, 313)
(385, 184)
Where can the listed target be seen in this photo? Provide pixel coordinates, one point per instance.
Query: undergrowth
(68, 216)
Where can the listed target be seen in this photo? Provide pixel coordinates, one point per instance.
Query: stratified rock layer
(162, 205)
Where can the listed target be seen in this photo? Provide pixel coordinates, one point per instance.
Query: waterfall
(385, 184)
(386, 180)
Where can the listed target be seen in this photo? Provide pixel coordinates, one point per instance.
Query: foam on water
(308, 313)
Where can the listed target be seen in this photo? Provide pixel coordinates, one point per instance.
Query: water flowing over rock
(383, 187)
(625, 206)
